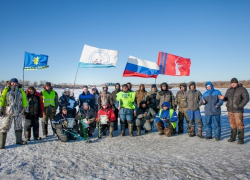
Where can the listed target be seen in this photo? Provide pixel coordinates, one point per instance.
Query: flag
(34, 61)
(140, 68)
(173, 65)
(93, 57)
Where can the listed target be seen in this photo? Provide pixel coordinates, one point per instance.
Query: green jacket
(127, 99)
(4, 94)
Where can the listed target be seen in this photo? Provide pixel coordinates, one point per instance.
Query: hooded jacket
(165, 96)
(150, 112)
(86, 97)
(179, 98)
(152, 102)
(105, 96)
(212, 100)
(115, 92)
(236, 99)
(140, 94)
(107, 112)
(64, 101)
(36, 106)
(192, 98)
(166, 115)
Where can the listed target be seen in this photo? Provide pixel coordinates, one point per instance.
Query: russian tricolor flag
(140, 68)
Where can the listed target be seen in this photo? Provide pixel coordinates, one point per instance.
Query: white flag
(93, 57)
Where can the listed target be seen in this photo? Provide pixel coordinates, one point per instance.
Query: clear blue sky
(215, 34)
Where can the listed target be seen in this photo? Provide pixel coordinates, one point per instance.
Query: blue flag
(33, 61)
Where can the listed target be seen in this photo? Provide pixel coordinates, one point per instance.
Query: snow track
(145, 157)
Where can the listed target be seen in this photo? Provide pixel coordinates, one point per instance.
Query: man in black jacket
(237, 97)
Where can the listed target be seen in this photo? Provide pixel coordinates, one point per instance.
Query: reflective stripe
(171, 112)
(48, 99)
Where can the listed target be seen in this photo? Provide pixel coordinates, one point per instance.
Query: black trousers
(31, 121)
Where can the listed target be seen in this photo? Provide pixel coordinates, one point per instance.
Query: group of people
(135, 110)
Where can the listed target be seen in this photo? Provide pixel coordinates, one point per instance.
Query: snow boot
(130, 129)
(19, 137)
(138, 130)
(3, 137)
(146, 131)
(233, 135)
(199, 132)
(208, 137)
(217, 139)
(123, 127)
(27, 135)
(104, 131)
(240, 136)
(111, 130)
(192, 132)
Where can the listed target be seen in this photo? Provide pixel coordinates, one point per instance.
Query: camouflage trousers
(7, 122)
(236, 120)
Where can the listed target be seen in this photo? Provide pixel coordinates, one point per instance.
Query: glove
(166, 120)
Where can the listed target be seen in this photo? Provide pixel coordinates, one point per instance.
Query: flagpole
(75, 80)
(23, 78)
(121, 80)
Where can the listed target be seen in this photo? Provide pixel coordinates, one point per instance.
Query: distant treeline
(217, 84)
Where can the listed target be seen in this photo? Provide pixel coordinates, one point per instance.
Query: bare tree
(35, 83)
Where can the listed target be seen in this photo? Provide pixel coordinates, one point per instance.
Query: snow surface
(145, 157)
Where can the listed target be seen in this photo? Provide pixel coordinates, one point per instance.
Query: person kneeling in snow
(60, 124)
(145, 117)
(110, 118)
(166, 120)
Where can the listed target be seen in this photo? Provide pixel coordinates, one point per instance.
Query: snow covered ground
(145, 157)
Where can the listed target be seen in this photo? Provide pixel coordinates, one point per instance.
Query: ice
(145, 157)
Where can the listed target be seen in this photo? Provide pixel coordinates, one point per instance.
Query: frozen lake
(145, 157)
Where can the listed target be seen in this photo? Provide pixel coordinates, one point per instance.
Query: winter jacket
(212, 100)
(59, 119)
(89, 98)
(105, 96)
(236, 99)
(140, 94)
(107, 112)
(86, 114)
(49, 92)
(162, 115)
(126, 99)
(64, 101)
(150, 113)
(152, 102)
(165, 96)
(36, 106)
(14, 101)
(192, 98)
(115, 92)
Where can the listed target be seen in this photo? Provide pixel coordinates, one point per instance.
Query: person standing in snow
(145, 117)
(50, 101)
(66, 100)
(110, 118)
(165, 95)
(13, 105)
(182, 109)
(60, 124)
(105, 96)
(86, 97)
(125, 103)
(192, 101)
(35, 112)
(152, 102)
(96, 95)
(212, 111)
(140, 94)
(116, 111)
(237, 97)
(166, 120)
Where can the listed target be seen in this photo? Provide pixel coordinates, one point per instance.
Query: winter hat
(104, 103)
(164, 84)
(153, 86)
(67, 89)
(125, 85)
(95, 88)
(48, 83)
(14, 80)
(64, 107)
(234, 80)
(85, 86)
(85, 104)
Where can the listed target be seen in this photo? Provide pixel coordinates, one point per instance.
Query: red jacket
(108, 112)
(41, 102)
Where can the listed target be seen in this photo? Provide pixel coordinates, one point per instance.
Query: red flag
(173, 65)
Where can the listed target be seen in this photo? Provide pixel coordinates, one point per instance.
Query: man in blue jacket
(86, 97)
(212, 111)
(166, 120)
